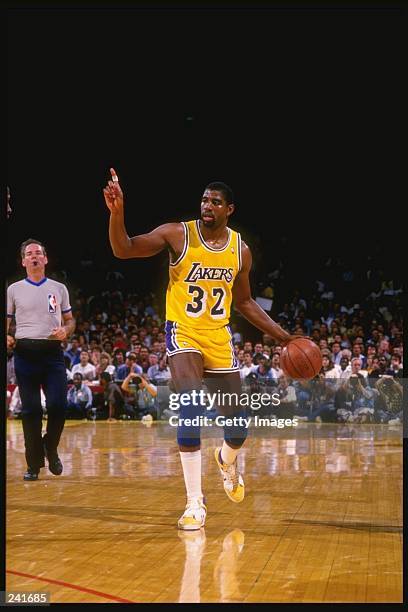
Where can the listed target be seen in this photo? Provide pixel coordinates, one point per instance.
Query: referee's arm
(65, 330)
(69, 323)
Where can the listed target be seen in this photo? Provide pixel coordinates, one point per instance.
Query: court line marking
(72, 586)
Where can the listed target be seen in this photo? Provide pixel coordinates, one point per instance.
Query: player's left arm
(248, 307)
(65, 330)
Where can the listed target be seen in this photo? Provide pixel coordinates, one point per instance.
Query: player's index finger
(114, 175)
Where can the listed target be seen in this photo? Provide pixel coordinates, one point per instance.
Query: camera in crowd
(386, 380)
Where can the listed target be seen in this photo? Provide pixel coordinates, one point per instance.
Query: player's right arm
(169, 235)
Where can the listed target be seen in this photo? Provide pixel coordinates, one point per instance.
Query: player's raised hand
(113, 194)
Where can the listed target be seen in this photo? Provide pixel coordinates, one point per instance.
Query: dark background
(297, 111)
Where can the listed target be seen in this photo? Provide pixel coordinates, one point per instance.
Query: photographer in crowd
(388, 400)
(287, 397)
(355, 400)
(142, 394)
(322, 406)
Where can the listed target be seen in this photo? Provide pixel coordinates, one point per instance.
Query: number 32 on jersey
(197, 306)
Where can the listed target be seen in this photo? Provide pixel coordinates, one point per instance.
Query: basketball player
(208, 268)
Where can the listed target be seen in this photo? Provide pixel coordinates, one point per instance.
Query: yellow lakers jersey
(199, 293)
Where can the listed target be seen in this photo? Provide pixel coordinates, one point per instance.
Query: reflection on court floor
(321, 520)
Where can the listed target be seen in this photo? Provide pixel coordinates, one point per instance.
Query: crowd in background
(117, 366)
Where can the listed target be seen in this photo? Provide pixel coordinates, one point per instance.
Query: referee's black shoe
(31, 474)
(54, 462)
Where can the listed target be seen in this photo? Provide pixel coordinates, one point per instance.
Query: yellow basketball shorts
(215, 346)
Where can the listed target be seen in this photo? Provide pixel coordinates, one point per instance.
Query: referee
(43, 318)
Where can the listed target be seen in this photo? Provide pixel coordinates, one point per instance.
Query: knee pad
(189, 428)
(237, 433)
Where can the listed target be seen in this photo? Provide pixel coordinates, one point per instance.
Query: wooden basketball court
(321, 521)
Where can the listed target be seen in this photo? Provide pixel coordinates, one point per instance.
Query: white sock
(191, 463)
(228, 454)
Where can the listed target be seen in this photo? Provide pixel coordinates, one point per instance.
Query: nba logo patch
(52, 303)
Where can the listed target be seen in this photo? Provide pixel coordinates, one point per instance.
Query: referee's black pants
(40, 363)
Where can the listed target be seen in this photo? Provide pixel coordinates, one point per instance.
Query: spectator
(153, 367)
(68, 372)
(257, 358)
(358, 352)
(236, 335)
(157, 349)
(355, 400)
(11, 375)
(258, 348)
(134, 338)
(336, 353)
(247, 366)
(145, 393)
(108, 347)
(356, 367)
(163, 374)
(84, 367)
(371, 351)
(105, 365)
(263, 373)
(322, 406)
(248, 347)
(79, 398)
(276, 370)
(287, 396)
(303, 390)
(73, 352)
(119, 358)
(328, 369)
(240, 357)
(369, 365)
(113, 397)
(380, 367)
(144, 359)
(323, 344)
(129, 366)
(384, 349)
(388, 402)
(95, 356)
(120, 340)
(395, 368)
(15, 404)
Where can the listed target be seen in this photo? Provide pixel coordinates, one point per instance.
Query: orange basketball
(301, 358)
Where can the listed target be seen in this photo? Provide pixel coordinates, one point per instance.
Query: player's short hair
(25, 244)
(225, 190)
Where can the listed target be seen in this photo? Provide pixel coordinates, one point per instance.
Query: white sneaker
(194, 515)
(233, 481)
(147, 420)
